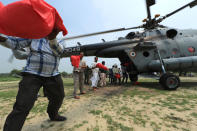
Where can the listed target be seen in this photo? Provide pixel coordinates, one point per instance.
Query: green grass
(194, 115)
(78, 126)
(113, 125)
(95, 112)
(39, 107)
(6, 95)
(9, 78)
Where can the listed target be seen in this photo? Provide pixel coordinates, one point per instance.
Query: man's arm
(55, 46)
(14, 43)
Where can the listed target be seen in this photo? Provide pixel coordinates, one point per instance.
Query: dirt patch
(112, 108)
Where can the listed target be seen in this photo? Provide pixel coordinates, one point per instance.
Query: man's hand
(53, 34)
(2, 39)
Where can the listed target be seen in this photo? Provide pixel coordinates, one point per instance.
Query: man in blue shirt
(41, 70)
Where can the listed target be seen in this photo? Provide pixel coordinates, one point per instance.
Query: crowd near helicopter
(155, 49)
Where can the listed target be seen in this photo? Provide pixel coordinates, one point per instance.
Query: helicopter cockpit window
(131, 35)
(146, 54)
(171, 33)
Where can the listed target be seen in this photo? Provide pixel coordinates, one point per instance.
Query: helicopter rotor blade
(191, 5)
(148, 4)
(99, 33)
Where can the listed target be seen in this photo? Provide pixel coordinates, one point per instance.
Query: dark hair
(103, 62)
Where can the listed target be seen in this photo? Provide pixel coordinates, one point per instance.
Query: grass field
(8, 78)
(143, 107)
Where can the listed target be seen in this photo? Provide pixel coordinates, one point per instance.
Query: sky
(87, 16)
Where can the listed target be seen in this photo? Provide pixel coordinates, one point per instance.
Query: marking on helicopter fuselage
(133, 54)
(73, 49)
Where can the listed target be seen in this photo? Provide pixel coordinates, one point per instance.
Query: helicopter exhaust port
(171, 33)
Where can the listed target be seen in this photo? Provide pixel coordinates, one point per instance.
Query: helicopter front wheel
(169, 81)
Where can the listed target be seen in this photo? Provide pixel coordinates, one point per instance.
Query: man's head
(53, 34)
(103, 62)
(95, 59)
(81, 55)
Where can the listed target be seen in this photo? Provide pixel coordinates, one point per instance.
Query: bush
(66, 75)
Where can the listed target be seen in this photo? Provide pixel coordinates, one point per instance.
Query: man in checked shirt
(41, 70)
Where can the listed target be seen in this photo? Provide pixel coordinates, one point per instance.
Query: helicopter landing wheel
(133, 77)
(169, 81)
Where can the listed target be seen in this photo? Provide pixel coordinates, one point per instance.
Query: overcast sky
(87, 16)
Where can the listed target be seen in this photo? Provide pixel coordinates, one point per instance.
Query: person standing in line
(87, 73)
(41, 70)
(95, 74)
(102, 76)
(124, 73)
(111, 75)
(116, 74)
(78, 77)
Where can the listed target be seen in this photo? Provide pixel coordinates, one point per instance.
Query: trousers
(103, 79)
(78, 82)
(27, 95)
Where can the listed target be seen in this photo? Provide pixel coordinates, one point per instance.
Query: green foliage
(66, 75)
(15, 72)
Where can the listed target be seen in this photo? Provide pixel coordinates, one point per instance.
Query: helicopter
(155, 49)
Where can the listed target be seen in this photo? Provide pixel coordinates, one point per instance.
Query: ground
(143, 107)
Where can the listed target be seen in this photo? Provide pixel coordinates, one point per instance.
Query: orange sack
(75, 60)
(101, 66)
(31, 19)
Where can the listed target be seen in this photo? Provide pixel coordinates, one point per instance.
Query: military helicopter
(155, 49)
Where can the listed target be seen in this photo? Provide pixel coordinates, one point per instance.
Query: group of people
(41, 70)
(97, 77)
(118, 75)
(84, 74)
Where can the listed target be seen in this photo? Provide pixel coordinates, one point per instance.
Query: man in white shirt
(95, 74)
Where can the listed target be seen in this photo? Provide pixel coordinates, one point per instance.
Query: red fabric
(1, 5)
(101, 66)
(75, 60)
(136, 83)
(126, 64)
(32, 19)
(117, 76)
(191, 49)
